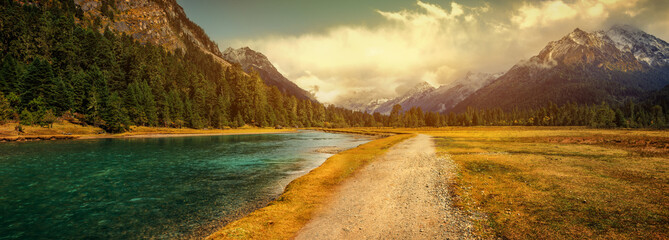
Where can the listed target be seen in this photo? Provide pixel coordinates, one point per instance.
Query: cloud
(437, 44)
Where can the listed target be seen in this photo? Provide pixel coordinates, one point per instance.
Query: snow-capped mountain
(581, 67)
(429, 98)
(251, 60)
(411, 98)
(365, 101)
(645, 47)
(447, 96)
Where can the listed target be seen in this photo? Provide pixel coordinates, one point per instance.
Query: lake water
(161, 188)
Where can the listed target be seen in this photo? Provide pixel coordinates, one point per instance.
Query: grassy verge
(539, 183)
(282, 218)
(66, 130)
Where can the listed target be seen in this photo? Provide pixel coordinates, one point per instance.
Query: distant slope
(447, 96)
(160, 22)
(432, 99)
(582, 67)
(251, 60)
(408, 100)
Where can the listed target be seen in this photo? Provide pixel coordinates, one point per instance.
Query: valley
(504, 182)
(175, 119)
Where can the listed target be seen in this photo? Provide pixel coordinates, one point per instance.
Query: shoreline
(284, 216)
(75, 132)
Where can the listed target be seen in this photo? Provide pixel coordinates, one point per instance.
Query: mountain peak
(423, 84)
(581, 37)
(585, 49)
(420, 87)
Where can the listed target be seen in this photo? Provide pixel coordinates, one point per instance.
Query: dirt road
(402, 195)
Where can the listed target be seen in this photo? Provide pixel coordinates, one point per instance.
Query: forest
(54, 68)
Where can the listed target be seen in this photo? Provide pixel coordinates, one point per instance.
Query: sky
(347, 49)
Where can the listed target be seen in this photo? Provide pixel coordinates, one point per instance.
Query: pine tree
(116, 120)
(6, 110)
(10, 76)
(395, 118)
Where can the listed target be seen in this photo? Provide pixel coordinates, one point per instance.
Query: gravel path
(402, 195)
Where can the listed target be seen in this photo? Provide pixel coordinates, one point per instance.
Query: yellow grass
(561, 183)
(282, 218)
(153, 131)
(64, 129)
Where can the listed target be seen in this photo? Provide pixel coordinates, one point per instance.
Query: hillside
(251, 61)
(160, 22)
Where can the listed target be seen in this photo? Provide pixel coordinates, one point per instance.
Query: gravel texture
(402, 195)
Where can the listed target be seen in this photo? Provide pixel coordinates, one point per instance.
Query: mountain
(643, 46)
(365, 101)
(447, 96)
(160, 22)
(411, 98)
(582, 67)
(429, 98)
(164, 23)
(251, 60)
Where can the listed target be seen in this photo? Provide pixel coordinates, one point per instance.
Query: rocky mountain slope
(251, 60)
(164, 23)
(160, 22)
(645, 47)
(582, 67)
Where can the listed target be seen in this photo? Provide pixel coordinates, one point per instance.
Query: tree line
(54, 67)
(648, 114)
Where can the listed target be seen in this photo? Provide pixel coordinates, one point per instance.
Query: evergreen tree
(6, 110)
(116, 119)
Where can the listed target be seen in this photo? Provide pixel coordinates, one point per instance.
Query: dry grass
(561, 183)
(60, 128)
(159, 131)
(67, 129)
(282, 218)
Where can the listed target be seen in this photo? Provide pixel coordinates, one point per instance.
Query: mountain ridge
(251, 60)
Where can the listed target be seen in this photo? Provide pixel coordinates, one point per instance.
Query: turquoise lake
(155, 188)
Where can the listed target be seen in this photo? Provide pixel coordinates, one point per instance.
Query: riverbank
(303, 197)
(496, 182)
(69, 131)
(401, 195)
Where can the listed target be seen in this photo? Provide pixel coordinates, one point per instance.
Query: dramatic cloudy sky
(350, 48)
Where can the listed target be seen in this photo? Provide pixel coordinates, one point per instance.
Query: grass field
(561, 183)
(282, 218)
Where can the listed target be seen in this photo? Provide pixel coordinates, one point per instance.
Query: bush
(26, 118)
